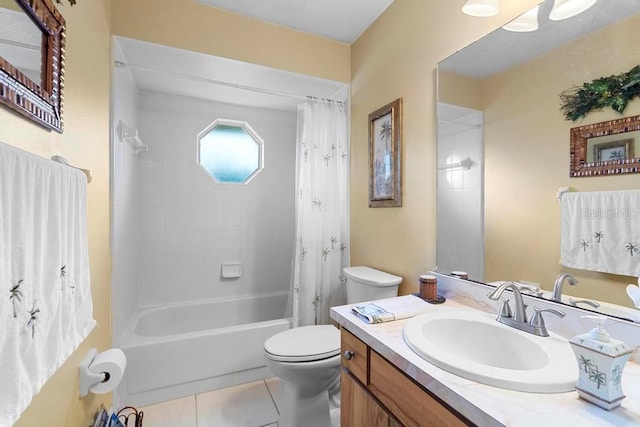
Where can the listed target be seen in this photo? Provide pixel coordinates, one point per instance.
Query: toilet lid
(304, 344)
(371, 276)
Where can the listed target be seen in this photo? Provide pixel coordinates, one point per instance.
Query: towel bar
(64, 161)
(465, 164)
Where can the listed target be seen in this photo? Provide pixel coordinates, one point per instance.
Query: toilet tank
(368, 284)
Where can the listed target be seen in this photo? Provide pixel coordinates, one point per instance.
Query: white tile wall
(460, 237)
(189, 225)
(125, 203)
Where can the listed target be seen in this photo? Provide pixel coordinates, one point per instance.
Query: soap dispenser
(601, 360)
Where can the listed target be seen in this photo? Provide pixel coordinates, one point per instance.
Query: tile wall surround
(125, 203)
(460, 205)
(190, 225)
(474, 294)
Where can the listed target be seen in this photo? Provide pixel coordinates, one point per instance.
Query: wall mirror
(504, 148)
(32, 39)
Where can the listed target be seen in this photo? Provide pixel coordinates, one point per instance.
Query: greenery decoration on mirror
(613, 91)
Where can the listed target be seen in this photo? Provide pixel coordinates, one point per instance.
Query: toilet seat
(304, 344)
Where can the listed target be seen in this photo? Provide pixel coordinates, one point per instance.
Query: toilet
(307, 358)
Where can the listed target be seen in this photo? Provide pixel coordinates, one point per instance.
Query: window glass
(231, 152)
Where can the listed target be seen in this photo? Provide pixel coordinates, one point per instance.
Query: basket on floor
(130, 416)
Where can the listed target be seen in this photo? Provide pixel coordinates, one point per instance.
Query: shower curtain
(322, 212)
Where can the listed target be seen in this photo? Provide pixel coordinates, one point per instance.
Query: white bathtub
(183, 349)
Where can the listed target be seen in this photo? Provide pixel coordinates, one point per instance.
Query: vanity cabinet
(377, 394)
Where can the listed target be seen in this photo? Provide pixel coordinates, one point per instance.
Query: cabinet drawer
(407, 401)
(356, 360)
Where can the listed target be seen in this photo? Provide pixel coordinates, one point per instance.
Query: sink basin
(472, 344)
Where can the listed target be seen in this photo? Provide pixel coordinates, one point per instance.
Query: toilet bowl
(307, 358)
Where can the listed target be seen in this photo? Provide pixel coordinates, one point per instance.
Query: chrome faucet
(519, 313)
(575, 302)
(557, 286)
(529, 289)
(518, 319)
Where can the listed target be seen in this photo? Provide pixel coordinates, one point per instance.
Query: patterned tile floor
(246, 405)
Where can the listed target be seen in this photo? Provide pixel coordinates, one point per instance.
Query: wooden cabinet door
(357, 407)
(413, 406)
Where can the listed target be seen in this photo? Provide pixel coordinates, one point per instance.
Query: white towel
(45, 303)
(601, 231)
(387, 310)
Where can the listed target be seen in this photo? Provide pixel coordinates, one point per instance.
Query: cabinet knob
(348, 354)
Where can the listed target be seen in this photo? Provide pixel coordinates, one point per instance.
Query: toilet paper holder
(88, 378)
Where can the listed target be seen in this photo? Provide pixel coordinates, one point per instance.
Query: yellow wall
(85, 143)
(527, 159)
(460, 90)
(397, 57)
(9, 4)
(190, 25)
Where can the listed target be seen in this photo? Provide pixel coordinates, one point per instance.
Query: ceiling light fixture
(563, 9)
(481, 8)
(526, 22)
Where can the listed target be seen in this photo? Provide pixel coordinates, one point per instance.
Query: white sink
(472, 344)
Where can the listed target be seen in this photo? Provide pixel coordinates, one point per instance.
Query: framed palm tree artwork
(385, 156)
(614, 150)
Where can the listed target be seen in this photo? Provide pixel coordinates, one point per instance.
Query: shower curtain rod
(120, 64)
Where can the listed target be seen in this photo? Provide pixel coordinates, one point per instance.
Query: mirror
(20, 41)
(32, 35)
(499, 107)
(605, 148)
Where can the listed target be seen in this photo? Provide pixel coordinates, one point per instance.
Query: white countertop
(486, 405)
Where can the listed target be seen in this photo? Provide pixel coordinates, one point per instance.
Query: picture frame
(385, 156)
(41, 100)
(614, 150)
(584, 140)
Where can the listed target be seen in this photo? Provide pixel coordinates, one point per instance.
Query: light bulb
(481, 8)
(563, 9)
(528, 21)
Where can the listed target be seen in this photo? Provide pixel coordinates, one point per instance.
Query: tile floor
(246, 405)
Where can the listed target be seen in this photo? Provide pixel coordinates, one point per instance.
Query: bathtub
(184, 349)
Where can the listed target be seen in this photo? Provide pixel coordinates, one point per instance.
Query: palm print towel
(390, 309)
(45, 303)
(601, 231)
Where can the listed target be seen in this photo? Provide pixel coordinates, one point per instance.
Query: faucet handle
(537, 321)
(505, 310)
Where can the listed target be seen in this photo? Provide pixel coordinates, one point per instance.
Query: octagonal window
(230, 151)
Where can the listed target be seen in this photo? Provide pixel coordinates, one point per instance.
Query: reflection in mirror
(35, 91)
(21, 41)
(523, 142)
(612, 147)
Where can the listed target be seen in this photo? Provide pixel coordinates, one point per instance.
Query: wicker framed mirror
(40, 101)
(606, 148)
